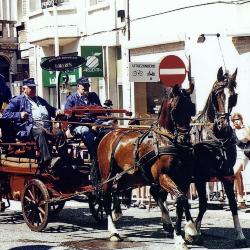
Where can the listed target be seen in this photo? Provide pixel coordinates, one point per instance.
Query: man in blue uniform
(83, 97)
(31, 115)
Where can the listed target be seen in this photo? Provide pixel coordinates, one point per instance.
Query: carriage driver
(83, 97)
(32, 115)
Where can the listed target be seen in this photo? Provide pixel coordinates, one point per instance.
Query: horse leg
(179, 214)
(189, 229)
(107, 202)
(160, 196)
(201, 190)
(229, 189)
(117, 211)
(183, 205)
(167, 183)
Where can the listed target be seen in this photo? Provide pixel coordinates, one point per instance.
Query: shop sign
(143, 72)
(62, 63)
(94, 63)
(49, 77)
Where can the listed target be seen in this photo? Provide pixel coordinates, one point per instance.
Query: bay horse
(158, 157)
(215, 148)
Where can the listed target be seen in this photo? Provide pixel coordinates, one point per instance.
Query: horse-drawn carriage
(162, 157)
(44, 193)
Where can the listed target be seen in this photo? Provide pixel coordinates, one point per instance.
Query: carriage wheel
(55, 209)
(34, 206)
(96, 207)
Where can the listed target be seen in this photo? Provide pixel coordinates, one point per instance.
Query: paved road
(75, 228)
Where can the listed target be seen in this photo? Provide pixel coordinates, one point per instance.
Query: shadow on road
(32, 247)
(80, 222)
(11, 218)
(222, 238)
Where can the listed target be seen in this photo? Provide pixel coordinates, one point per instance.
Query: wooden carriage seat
(18, 162)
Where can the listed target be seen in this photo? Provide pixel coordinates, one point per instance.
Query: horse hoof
(241, 243)
(192, 239)
(116, 216)
(169, 230)
(115, 237)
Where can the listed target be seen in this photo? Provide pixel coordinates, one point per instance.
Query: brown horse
(158, 157)
(215, 148)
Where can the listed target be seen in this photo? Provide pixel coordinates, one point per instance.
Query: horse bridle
(232, 100)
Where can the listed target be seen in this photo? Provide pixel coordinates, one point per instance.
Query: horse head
(223, 99)
(176, 110)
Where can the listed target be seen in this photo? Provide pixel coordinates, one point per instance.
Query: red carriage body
(43, 194)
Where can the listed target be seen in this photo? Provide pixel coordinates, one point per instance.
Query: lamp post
(56, 42)
(202, 38)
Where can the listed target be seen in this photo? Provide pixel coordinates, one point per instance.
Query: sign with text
(62, 63)
(94, 64)
(143, 72)
(50, 3)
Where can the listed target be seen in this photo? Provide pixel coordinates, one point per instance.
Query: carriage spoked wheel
(96, 207)
(55, 209)
(34, 206)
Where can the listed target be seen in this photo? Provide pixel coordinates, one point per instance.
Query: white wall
(168, 21)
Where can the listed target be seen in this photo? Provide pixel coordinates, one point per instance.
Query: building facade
(8, 42)
(112, 33)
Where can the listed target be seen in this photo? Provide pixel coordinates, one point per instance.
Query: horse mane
(208, 112)
(164, 116)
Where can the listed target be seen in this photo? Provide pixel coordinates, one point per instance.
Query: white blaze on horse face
(227, 95)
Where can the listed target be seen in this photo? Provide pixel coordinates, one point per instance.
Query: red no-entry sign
(172, 71)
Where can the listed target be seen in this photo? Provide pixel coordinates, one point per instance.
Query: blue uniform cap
(83, 81)
(29, 82)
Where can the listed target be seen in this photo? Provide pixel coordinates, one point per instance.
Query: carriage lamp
(202, 37)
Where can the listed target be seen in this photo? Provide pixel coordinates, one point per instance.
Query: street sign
(143, 72)
(62, 63)
(172, 71)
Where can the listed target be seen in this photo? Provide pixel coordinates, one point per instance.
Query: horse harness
(146, 160)
(221, 144)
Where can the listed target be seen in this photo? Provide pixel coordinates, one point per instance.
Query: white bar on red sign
(172, 71)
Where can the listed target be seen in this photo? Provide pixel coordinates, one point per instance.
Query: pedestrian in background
(242, 133)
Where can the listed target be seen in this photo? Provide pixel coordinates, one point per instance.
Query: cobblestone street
(75, 228)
